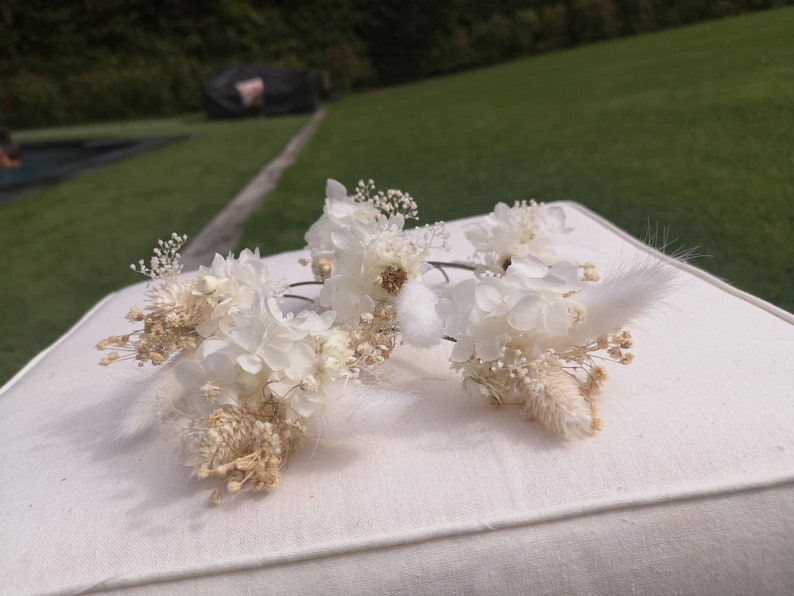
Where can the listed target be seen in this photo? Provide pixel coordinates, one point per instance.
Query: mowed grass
(691, 130)
(66, 247)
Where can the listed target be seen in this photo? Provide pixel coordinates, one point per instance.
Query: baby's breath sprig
(390, 202)
(165, 261)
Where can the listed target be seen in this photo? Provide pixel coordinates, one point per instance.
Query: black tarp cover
(237, 92)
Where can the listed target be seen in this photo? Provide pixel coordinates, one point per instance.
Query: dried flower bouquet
(244, 380)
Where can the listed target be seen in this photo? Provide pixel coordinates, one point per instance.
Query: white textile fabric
(689, 488)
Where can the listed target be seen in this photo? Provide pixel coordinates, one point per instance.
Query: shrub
(400, 36)
(553, 28)
(110, 92)
(452, 51)
(592, 20)
(526, 24)
(348, 67)
(493, 39)
(682, 12)
(185, 78)
(640, 16)
(30, 100)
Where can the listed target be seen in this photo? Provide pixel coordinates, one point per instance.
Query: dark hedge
(89, 60)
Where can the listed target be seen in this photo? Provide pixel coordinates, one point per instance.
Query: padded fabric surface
(689, 488)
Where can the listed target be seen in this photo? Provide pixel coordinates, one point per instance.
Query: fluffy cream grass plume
(419, 323)
(158, 395)
(622, 297)
(554, 400)
(351, 410)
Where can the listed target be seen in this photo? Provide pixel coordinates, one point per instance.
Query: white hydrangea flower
(525, 309)
(212, 371)
(267, 354)
(523, 230)
(344, 221)
(361, 250)
(230, 285)
(293, 355)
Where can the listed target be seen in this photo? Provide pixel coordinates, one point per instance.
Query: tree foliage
(95, 59)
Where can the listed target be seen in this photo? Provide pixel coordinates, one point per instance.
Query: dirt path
(222, 233)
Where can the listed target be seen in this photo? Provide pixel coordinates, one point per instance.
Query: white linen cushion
(688, 488)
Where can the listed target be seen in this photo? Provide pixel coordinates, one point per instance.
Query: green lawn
(66, 247)
(692, 129)
(689, 129)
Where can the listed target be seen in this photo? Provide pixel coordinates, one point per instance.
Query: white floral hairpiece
(244, 381)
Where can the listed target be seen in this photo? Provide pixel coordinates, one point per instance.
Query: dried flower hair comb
(244, 381)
